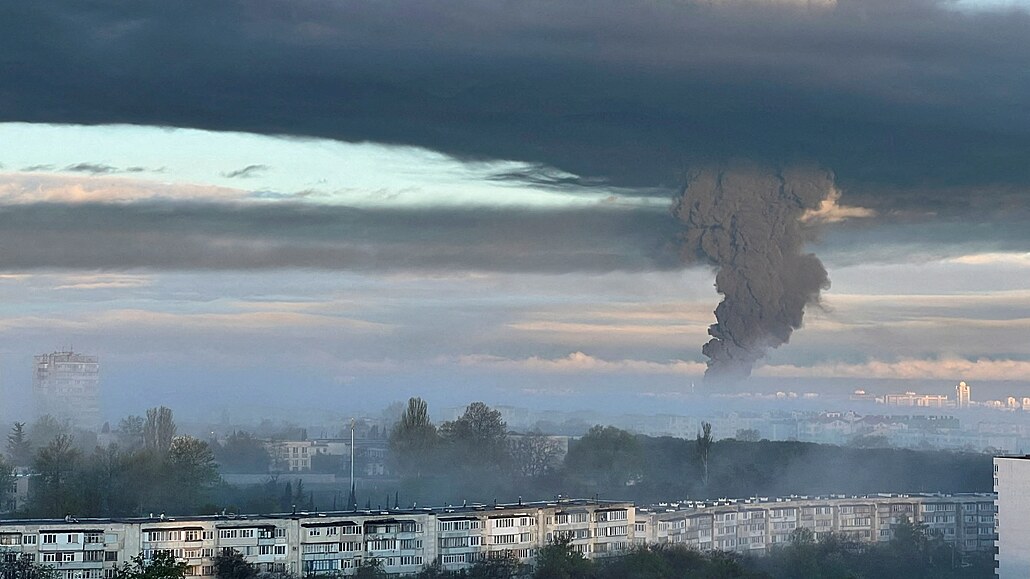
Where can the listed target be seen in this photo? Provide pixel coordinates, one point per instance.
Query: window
(28, 539)
(411, 560)
(192, 536)
(411, 543)
(504, 523)
(320, 565)
(280, 549)
(110, 555)
(93, 556)
(49, 539)
(94, 538)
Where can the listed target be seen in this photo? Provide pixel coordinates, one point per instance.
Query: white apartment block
(1012, 485)
(405, 540)
(757, 525)
(324, 543)
(66, 385)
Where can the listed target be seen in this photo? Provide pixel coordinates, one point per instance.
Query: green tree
(159, 430)
(480, 433)
(45, 429)
(231, 564)
(24, 567)
(704, 447)
(162, 566)
(534, 454)
(54, 465)
(6, 482)
(242, 453)
(608, 458)
(192, 469)
(560, 560)
(19, 449)
(504, 566)
(370, 569)
(130, 432)
(413, 439)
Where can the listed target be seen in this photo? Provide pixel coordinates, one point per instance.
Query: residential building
(66, 386)
(1012, 485)
(962, 395)
(757, 525)
(404, 540)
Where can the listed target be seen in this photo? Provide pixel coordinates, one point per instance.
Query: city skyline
(320, 202)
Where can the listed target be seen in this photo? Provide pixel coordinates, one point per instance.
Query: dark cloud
(893, 95)
(91, 168)
(224, 237)
(245, 172)
(35, 168)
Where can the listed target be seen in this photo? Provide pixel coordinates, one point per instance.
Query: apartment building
(66, 385)
(757, 525)
(404, 540)
(1012, 485)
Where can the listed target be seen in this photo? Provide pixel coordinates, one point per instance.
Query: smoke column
(750, 222)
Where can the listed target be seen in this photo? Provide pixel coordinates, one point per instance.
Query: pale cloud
(576, 362)
(908, 369)
(1001, 258)
(121, 320)
(829, 211)
(19, 188)
(102, 281)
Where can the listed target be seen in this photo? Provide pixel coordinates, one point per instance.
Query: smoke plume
(751, 223)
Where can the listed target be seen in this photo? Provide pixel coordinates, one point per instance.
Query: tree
(480, 433)
(606, 457)
(24, 567)
(559, 560)
(370, 569)
(161, 566)
(6, 481)
(704, 447)
(413, 439)
(54, 465)
(747, 435)
(19, 449)
(242, 453)
(192, 468)
(534, 454)
(130, 432)
(45, 429)
(231, 564)
(159, 430)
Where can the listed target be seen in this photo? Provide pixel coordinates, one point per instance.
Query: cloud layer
(913, 97)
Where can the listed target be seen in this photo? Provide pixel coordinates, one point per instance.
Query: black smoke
(748, 222)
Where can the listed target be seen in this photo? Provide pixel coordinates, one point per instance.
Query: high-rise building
(67, 386)
(962, 395)
(1012, 483)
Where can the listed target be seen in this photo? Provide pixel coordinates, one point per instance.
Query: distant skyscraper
(67, 386)
(962, 395)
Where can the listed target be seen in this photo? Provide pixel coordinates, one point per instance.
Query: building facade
(1012, 485)
(66, 385)
(404, 540)
(757, 525)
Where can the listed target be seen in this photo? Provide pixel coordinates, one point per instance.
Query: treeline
(474, 458)
(150, 469)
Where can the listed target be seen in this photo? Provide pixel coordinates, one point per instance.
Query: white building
(1012, 483)
(962, 395)
(403, 540)
(66, 386)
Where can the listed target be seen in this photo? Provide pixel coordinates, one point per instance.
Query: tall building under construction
(67, 386)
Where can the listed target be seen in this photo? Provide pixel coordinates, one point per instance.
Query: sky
(290, 203)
